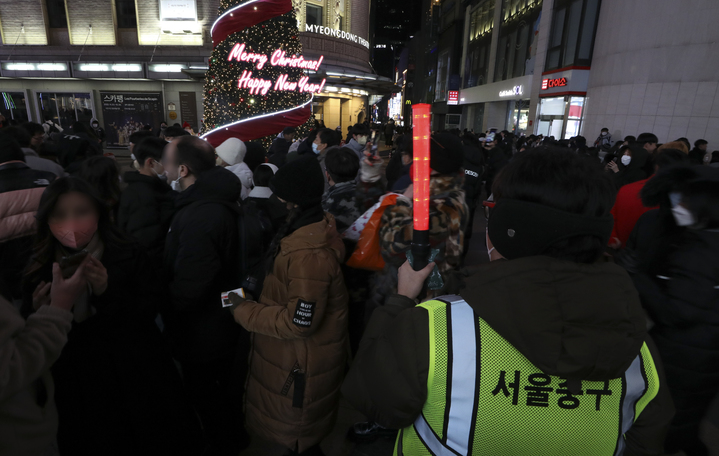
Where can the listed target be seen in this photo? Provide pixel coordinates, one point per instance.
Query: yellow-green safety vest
(485, 398)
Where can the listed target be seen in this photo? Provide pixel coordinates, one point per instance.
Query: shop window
(65, 108)
(56, 13)
(314, 15)
(560, 117)
(125, 11)
(14, 106)
(574, 26)
(517, 36)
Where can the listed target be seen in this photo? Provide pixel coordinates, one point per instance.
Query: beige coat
(28, 418)
(300, 336)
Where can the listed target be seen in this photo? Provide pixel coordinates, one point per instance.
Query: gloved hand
(237, 300)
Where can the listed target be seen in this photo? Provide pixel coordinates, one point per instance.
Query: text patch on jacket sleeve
(304, 313)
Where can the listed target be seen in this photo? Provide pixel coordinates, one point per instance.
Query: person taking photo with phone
(117, 390)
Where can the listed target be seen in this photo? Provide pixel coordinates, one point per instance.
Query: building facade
(526, 65)
(74, 60)
(660, 74)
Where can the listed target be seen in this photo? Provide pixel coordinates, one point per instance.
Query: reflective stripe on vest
(466, 413)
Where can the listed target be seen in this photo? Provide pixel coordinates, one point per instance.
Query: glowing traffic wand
(421, 137)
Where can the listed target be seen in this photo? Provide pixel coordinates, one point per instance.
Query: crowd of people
(214, 293)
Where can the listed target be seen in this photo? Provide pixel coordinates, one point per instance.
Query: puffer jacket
(20, 191)
(200, 263)
(146, 209)
(300, 340)
(28, 416)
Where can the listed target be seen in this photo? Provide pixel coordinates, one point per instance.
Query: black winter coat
(201, 262)
(278, 151)
(473, 171)
(117, 390)
(146, 209)
(677, 280)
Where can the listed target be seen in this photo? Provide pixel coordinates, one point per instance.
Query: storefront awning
(343, 77)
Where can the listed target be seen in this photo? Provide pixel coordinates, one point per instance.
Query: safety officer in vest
(546, 352)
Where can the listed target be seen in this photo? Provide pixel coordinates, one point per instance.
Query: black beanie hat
(10, 149)
(446, 153)
(300, 182)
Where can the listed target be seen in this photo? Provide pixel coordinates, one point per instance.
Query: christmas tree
(257, 83)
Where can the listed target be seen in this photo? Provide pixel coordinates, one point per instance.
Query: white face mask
(605, 133)
(176, 183)
(626, 160)
(362, 140)
(682, 215)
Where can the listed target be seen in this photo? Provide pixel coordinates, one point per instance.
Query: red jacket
(627, 209)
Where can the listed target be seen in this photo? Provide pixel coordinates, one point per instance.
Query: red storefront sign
(552, 83)
(453, 97)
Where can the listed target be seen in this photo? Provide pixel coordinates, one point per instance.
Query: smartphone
(73, 260)
(615, 160)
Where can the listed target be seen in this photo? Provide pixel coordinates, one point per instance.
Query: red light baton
(421, 138)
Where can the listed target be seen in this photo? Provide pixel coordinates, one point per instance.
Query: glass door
(65, 108)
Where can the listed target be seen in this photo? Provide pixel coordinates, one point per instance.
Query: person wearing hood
(231, 155)
(299, 322)
(97, 130)
(200, 264)
(147, 203)
(538, 355)
(631, 166)
(675, 269)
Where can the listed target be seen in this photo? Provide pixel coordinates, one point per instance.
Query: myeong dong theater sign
(279, 59)
(320, 30)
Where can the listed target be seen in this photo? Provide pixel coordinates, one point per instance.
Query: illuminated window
(56, 13)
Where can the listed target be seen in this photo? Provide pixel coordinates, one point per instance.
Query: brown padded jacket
(300, 340)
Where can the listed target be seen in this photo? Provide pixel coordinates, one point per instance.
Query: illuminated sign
(453, 97)
(513, 92)
(552, 83)
(336, 33)
(278, 59)
(178, 10)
